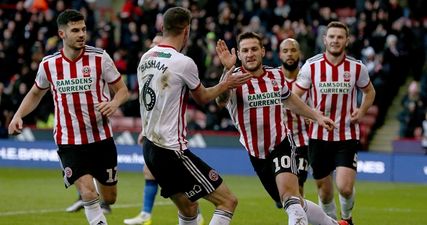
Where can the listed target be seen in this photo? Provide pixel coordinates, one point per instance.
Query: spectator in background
(6, 112)
(424, 137)
(412, 113)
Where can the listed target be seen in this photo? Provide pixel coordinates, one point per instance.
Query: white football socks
(316, 215)
(221, 217)
(94, 213)
(296, 214)
(346, 205)
(183, 220)
(329, 208)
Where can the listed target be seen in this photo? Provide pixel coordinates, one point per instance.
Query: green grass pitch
(38, 197)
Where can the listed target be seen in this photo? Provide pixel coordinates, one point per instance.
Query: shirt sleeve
(191, 75)
(285, 92)
(363, 80)
(110, 72)
(41, 79)
(304, 77)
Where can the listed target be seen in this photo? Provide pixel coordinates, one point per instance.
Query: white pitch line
(43, 211)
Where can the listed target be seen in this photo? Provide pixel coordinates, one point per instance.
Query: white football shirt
(165, 77)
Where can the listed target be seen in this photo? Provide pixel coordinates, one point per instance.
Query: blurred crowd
(389, 36)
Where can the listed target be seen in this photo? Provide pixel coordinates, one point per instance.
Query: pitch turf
(38, 197)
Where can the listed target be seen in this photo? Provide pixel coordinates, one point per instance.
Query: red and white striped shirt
(256, 109)
(77, 86)
(296, 123)
(165, 77)
(334, 93)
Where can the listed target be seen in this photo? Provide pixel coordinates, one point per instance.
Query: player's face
(335, 41)
(250, 54)
(289, 54)
(74, 34)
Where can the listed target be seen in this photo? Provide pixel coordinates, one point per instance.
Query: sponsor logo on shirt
(334, 87)
(264, 99)
(160, 54)
(81, 84)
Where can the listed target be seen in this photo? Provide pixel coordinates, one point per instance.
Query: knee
(230, 203)
(88, 195)
(190, 210)
(346, 192)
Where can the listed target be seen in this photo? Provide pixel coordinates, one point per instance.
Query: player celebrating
(333, 79)
(257, 111)
(165, 78)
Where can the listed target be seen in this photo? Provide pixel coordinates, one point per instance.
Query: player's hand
(355, 116)
(107, 108)
(326, 123)
(233, 81)
(15, 126)
(228, 59)
(140, 138)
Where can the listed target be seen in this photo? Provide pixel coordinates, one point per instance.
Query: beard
(291, 67)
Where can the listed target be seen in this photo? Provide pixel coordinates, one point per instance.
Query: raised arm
(30, 102)
(228, 59)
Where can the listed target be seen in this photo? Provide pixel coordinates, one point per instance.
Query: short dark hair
(175, 20)
(249, 35)
(337, 24)
(69, 15)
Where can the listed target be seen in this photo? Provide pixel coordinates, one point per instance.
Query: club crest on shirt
(274, 83)
(213, 175)
(68, 172)
(347, 76)
(86, 71)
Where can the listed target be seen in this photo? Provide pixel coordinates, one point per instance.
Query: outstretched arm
(204, 95)
(296, 105)
(30, 102)
(223, 98)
